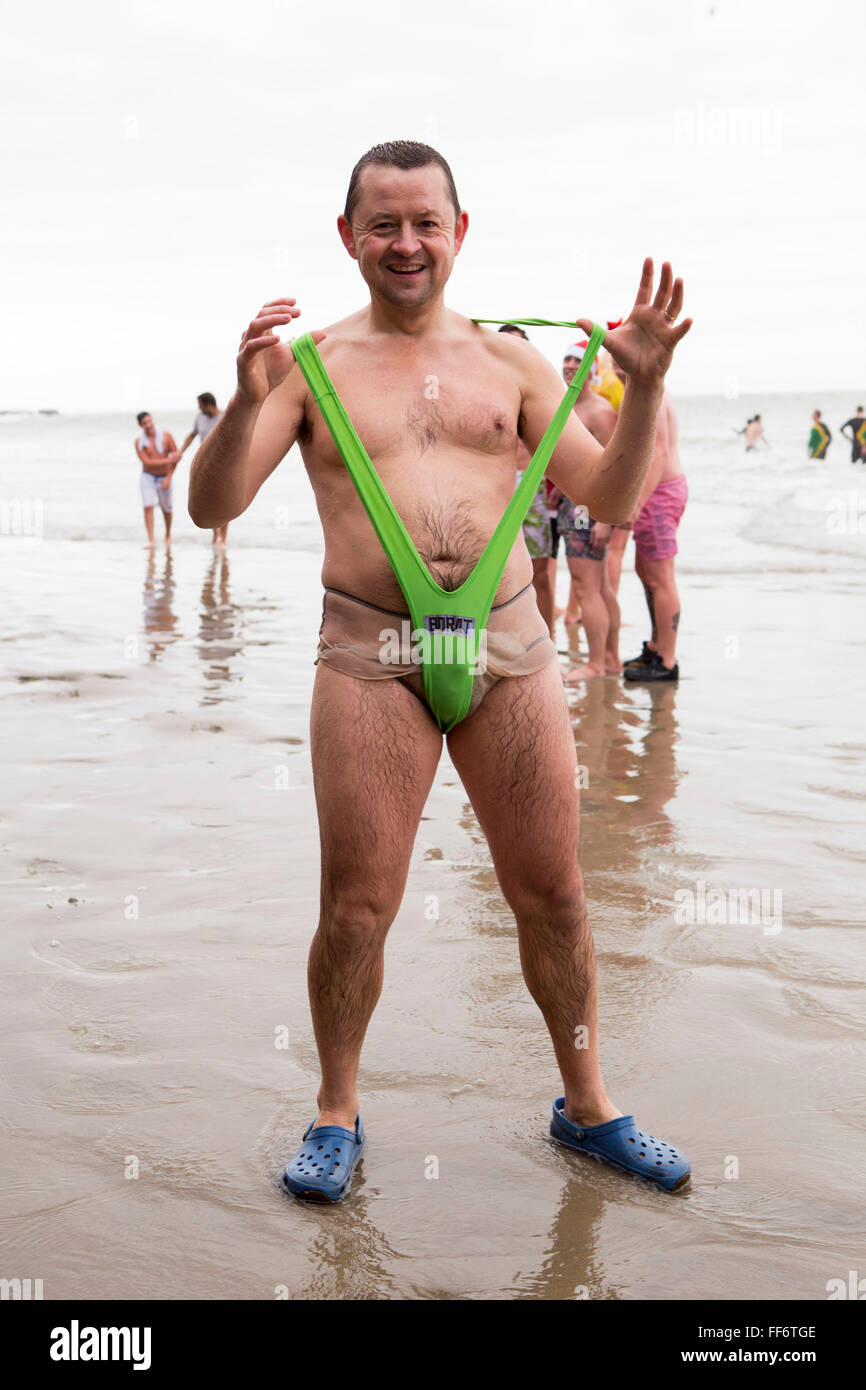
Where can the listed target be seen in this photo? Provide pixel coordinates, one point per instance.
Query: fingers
(664, 290)
(676, 305)
(681, 330)
(270, 320)
(586, 325)
(250, 346)
(646, 282)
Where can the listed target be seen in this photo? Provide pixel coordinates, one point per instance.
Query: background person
(159, 457)
(819, 437)
(208, 415)
(537, 531)
(857, 437)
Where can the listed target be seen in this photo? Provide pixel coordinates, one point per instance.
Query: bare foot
(591, 1112)
(558, 612)
(571, 621)
(582, 673)
(612, 667)
(334, 1117)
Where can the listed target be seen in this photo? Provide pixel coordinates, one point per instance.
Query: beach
(160, 886)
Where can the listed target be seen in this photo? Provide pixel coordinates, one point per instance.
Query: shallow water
(159, 870)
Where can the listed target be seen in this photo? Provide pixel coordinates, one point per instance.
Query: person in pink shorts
(656, 520)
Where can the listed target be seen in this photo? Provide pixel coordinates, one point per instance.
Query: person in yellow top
(612, 388)
(605, 381)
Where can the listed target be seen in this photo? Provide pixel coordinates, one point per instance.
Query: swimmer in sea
(857, 437)
(819, 437)
(440, 403)
(754, 432)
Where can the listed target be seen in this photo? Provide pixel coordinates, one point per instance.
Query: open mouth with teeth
(408, 271)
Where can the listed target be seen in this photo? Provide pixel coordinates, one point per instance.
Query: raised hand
(643, 346)
(263, 360)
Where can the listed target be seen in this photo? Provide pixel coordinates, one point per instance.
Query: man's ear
(347, 236)
(460, 229)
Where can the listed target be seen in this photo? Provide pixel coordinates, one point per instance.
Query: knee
(351, 919)
(560, 905)
(541, 580)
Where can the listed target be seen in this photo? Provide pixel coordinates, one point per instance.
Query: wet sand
(160, 876)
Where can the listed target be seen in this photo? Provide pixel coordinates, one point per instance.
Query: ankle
(341, 1112)
(588, 1108)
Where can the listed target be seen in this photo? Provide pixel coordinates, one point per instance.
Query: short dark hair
(859, 407)
(513, 329)
(206, 398)
(142, 416)
(400, 154)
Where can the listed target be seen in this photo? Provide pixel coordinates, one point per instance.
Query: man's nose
(408, 242)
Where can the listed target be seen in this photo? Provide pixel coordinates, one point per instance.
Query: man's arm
(609, 481)
(172, 457)
(150, 458)
(259, 425)
(186, 443)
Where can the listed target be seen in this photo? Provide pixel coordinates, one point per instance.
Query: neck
(413, 321)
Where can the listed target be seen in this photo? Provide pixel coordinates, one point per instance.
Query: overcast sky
(169, 164)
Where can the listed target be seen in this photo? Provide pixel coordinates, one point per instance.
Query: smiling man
(440, 404)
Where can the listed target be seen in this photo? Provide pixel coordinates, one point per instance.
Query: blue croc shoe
(321, 1169)
(621, 1144)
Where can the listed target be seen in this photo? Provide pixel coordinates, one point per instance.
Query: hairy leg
(516, 757)
(375, 749)
(148, 524)
(641, 569)
(659, 579)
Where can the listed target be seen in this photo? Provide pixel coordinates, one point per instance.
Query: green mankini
(448, 623)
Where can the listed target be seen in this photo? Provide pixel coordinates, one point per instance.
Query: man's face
(569, 367)
(404, 233)
(147, 426)
(207, 409)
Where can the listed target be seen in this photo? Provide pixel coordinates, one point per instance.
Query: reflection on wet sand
(159, 618)
(572, 1268)
(625, 739)
(220, 629)
(351, 1257)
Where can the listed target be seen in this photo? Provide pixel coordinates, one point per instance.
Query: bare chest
(416, 415)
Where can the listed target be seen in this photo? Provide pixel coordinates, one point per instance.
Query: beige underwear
(351, 641)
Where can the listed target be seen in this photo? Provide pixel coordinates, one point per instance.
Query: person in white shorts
(159, 457)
